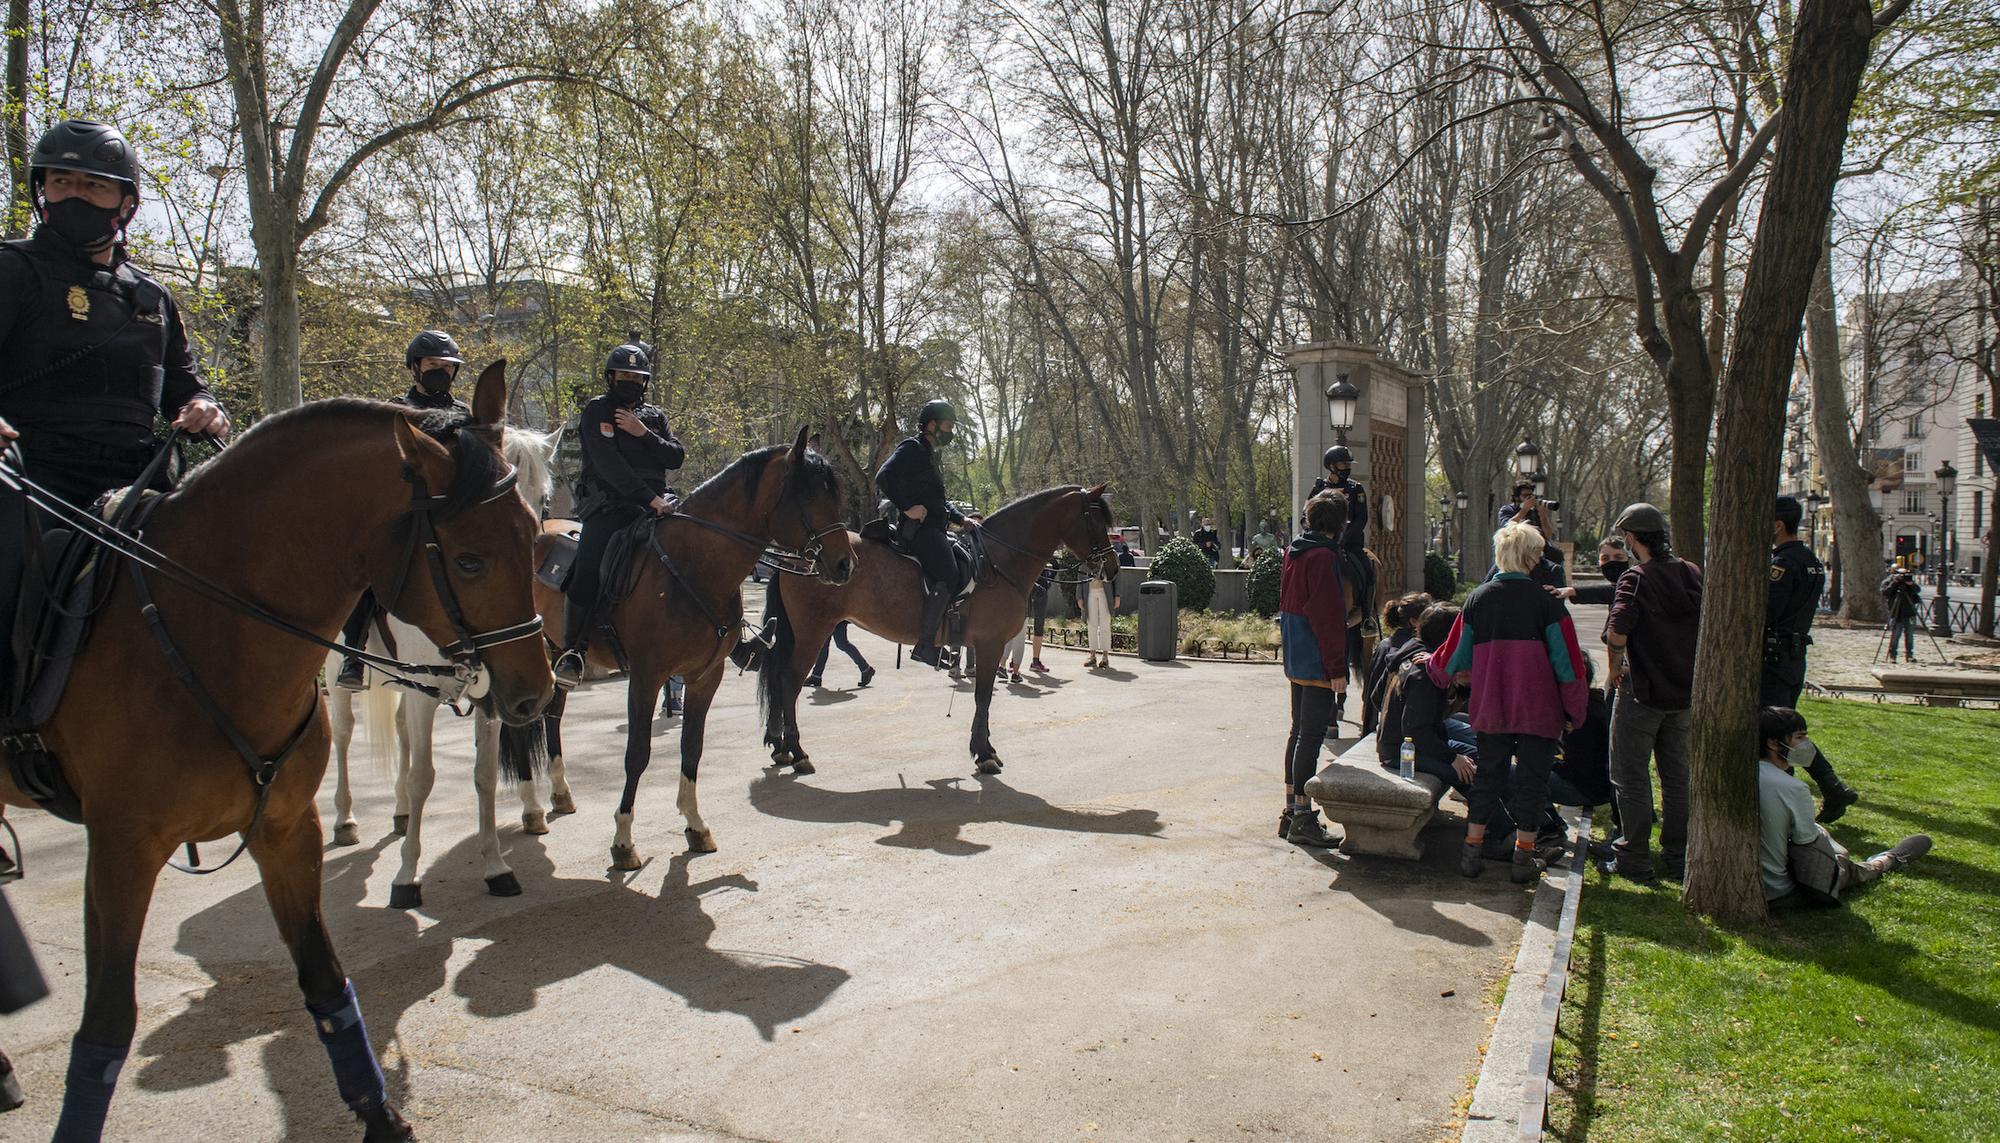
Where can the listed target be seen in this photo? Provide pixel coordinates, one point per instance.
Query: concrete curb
(1511, 1099)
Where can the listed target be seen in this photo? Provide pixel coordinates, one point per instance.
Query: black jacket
(911, 477)
(419, 398)
(1355, 535)
(1797, 579)
(1414, 707)
(1902, 596)
(92, 352)
(619, 468)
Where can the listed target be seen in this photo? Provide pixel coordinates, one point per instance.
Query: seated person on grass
(1801, 864)
(1582, 773)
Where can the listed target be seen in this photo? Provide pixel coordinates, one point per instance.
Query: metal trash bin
(1159, 620)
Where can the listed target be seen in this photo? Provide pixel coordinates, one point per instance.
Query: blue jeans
(1907, 628)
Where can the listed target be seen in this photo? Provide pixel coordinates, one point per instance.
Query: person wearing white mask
(1800, 863)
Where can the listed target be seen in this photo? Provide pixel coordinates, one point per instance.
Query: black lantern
(1343, 402)
(1527, 457)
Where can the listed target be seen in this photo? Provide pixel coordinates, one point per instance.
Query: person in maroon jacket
(1312, 630)
(1651, 636)
(1514, 642)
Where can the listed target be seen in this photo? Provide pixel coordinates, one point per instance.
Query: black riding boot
(576, 644)
(1835, 794)
(926, 650)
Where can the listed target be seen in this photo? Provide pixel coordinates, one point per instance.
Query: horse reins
(801, 561)
(464, 653)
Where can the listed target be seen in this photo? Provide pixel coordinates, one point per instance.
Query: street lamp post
(1527, 458)
(1343, 401)
(1459, 502)
(1947, 479)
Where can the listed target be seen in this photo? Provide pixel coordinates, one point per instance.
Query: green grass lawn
(1878, 1020)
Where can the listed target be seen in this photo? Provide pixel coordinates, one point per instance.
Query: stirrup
(351, 677)
(568, 669)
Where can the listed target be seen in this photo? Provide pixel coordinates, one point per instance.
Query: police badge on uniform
(79, 303)
(1777, 572)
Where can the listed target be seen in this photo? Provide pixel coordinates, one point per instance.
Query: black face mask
(628, 393)
(1612, 569)
(1340, 473)
(436, 381)
(83, 223)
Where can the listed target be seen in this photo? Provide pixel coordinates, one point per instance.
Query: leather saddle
(65, 583)
(965, 552)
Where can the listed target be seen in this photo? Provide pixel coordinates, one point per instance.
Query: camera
(1553, 505)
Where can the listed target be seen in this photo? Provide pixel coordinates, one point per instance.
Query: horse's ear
(489, 397)
(423, 454)
(1097, 491)
(798, 452)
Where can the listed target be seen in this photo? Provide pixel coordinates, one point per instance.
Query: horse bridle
(804, 560)
(464, 652)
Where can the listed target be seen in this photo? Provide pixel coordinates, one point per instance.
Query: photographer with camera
(1904, 602)
(1528, 508)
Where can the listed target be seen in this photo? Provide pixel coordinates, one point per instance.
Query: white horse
(530, 453)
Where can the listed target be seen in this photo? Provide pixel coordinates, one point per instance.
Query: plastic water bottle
(1407, 768)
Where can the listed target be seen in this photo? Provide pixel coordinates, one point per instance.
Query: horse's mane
(528, 452)
(1035, 501)
(813, 474)
(476, 465)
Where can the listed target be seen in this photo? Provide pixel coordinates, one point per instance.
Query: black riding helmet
(1338, 454)
(88, 146)
(432, 343)
(629, 358)
(936, 411)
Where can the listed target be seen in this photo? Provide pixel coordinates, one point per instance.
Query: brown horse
(1018, 541)
(685, 607)
(307, 510)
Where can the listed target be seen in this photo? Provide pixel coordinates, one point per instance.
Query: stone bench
(1378, 812)
(1944, 686)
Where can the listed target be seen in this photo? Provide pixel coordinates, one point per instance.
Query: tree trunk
(19, 200)
(1829, 54)
(1846, 480)
(1690, 409)
(278, 275)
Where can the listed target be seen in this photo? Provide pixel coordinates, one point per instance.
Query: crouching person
(1800, 863)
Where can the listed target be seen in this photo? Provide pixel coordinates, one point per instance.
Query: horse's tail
(524, 754)
(382, 722)
(775, 673)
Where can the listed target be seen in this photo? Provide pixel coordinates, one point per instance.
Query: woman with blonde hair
(1516, 645)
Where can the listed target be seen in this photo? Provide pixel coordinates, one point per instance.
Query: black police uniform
(1797, 579)
(94, 355)
(1354, 538)
(622, 474)
(911, 477)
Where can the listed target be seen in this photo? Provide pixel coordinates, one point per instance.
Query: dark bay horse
(685, 609)
(307, 510)
(885, 598)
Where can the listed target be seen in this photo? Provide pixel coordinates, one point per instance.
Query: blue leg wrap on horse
(93, 1076)
(345, 1037)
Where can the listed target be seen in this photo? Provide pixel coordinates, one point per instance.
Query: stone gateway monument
(1385, 411)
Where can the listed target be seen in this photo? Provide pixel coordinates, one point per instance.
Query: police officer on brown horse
(628, 449)
(433, 361)
(94, 347)
(913, 482)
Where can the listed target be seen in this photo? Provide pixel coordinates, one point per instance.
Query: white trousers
(1100, 617)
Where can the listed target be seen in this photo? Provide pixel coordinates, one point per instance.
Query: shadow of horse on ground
(662, 940)
(932, 815)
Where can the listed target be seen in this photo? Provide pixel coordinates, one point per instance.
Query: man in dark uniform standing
(433, 360)
(912, 481)
(95, 349)
(628, 449)
(1797, 579)
(1339, 464)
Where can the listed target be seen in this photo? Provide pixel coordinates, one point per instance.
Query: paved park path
(1106, 942)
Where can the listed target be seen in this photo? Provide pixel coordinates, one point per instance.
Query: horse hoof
(803, 766)
(11, 1095)
(781, 758)
(400, 825)
(504, 885)
(626, 857)
(987, 765)
(347, 833)
(384, 1125)
(700, 840)
(562, 804)
(534, 822)
(406, 896)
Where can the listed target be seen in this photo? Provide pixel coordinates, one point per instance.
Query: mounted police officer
(1339, 464)
(628, 449)
(913, 482)
(433, 361)
(94, 347)
(1797, 580)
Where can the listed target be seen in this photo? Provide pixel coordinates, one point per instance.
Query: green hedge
(1183, 563)
(1265, 579)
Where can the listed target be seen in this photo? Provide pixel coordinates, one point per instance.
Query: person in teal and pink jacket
(1516, 645)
